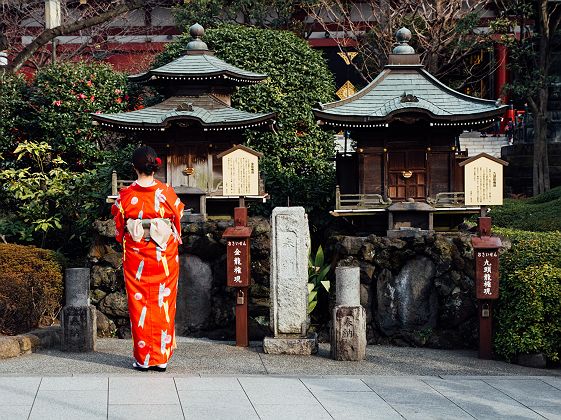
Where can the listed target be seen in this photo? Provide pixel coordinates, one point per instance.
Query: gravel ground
(204, 357)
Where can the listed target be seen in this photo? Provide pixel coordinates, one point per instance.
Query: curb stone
(41, 338)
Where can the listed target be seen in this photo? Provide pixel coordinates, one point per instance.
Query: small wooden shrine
(193, 125)
(405, 124)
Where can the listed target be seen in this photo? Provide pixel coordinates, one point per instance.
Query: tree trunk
(541, 162)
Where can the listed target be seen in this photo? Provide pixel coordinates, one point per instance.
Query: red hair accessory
(158, 161)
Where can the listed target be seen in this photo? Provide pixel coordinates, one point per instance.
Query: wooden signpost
(483, 179)
(240, 177)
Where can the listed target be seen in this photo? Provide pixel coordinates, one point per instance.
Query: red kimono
(151, 271)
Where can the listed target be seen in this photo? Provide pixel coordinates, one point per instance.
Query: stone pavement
(219, 381)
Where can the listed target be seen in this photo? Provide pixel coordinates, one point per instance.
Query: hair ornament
(158, 161)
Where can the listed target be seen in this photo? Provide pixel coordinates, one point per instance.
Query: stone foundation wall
(205, 306)
(417, 291)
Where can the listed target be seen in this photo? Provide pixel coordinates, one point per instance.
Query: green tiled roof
(404, 88)
(207, 111)
(200, 65)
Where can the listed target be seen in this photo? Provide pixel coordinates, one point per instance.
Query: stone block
(79, 329)
(348, 334)
(534, 360)
(9, 347)
(297, 346)
(194, 300)
(290, 245)
(348, 286)
(77, 286)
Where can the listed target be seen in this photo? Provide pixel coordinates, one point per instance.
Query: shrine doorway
(407, 174)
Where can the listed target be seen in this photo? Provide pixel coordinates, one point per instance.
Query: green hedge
(529, 309)
(540, 213)
(30, 287)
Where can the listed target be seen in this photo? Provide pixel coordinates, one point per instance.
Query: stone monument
(290, 247)
(78, 320)
(348, 334)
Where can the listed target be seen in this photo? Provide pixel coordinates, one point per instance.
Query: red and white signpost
(240, 178)
(483, 186)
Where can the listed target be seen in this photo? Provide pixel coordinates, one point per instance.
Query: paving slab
(398, 390)
(208, 384)
(139, 390)
(434, 412)
(13, 412)
(230, 404)
(311, 411)
(355, 405)
(144, 411)
(74, 383)
(18, 391)
(270, 391)
(481, 400)
(335, 384)
(551, 413)
(70, 405)
(530, 392)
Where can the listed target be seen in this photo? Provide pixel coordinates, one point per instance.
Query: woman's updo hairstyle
(145, 160)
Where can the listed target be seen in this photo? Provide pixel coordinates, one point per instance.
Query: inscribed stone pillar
(79, 330)
(290, 245)
(348, 334)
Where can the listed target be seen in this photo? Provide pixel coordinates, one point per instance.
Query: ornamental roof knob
(196, 44)
(403, 36)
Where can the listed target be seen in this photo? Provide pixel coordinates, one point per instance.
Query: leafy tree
(296, 163)
(56, 167)
(275, 14)
(13, 109)
(63, 97)
(530, 61)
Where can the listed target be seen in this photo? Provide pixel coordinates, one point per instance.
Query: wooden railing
(448, 199)
(359, 201)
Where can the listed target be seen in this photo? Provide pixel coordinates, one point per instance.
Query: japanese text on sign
(487, 274)
(483, 179)
(240, 173)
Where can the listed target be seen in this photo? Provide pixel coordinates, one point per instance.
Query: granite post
(290, 246)
(78, 320)
(348, 334)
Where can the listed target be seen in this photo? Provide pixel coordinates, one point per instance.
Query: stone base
(281, 345)
(79, 329)
(348, 336)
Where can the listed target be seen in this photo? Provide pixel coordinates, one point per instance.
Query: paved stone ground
(219, 381)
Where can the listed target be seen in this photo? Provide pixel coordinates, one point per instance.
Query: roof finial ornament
(196, 44)
(403, 36)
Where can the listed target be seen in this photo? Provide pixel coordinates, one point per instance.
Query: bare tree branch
(97, 17)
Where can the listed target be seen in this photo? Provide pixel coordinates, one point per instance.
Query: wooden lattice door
(407, 174)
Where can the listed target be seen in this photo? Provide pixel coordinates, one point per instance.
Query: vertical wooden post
(242, 331)
(485, 329)
(114, 183)
(484, 305)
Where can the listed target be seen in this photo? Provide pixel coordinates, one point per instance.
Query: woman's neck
(145, 180)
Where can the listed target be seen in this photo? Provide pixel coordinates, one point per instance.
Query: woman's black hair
(145, 160)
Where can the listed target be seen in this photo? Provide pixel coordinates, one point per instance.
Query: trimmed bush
(540, 213)
(30, 288)
(529, 309)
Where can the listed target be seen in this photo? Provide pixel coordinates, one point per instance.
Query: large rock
(408, 301)
(115, 304)
(105, 228)
(106, 278)
(194, 294)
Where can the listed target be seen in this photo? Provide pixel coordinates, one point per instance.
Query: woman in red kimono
(147, 216)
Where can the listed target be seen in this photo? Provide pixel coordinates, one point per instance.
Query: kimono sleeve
(119, 217)
(176, 208)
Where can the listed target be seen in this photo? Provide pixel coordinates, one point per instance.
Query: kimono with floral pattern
(151, 272)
